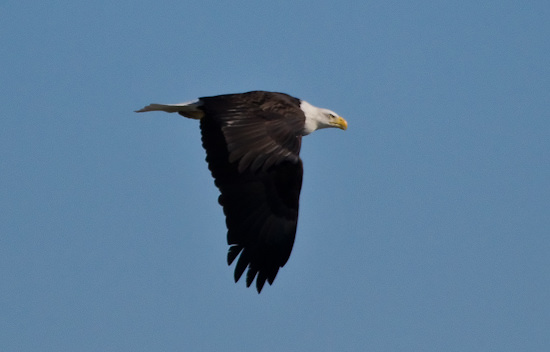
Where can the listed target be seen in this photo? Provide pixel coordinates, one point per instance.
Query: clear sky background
(424, 227)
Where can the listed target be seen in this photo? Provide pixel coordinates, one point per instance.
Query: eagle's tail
(189, 109)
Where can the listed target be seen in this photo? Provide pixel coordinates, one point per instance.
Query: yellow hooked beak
(340, 123)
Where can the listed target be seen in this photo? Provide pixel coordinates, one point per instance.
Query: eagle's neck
(314, 117)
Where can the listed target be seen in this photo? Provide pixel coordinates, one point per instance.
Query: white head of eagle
(252, 142)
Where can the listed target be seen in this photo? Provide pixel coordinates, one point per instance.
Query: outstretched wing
(253, 153)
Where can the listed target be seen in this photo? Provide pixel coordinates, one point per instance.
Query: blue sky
(423, 227)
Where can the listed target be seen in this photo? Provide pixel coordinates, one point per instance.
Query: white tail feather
(189, 109)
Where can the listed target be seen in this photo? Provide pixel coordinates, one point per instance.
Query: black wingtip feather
(242, 263)
(272, 274)
(250, 275)
(233, 253)
(260, 281)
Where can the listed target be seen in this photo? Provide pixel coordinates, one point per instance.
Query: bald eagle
(252, 142)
